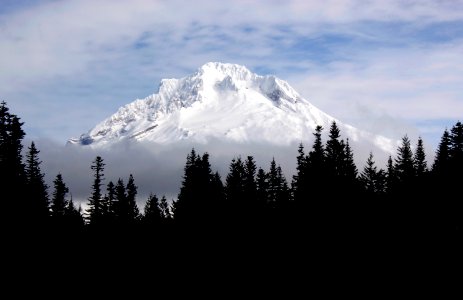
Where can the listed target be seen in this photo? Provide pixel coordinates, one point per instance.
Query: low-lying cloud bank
(159, 168)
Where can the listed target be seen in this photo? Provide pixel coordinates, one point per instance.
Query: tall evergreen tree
(391, 178)
(73, 217)
(195, 203)
(59, 202)
(456, 148)
(278, 191)
(262, 187)
(441, 163)
(12, 179)
(300, 183)
(95, 211)
(421, 167)
(404, 162)
(234, 183)
(36, 188)
(120, 202)
(108, 205)
(133, 212)
(153, 214)
(372, 179)
(335, 153)
(350, 169)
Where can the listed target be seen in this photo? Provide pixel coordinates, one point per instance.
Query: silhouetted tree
(133, 212)
(73, 218)
(335, 154)
(391, 178)
(12, 179)
(262, 187)
(120, 201)
(95, 210)
(195, 203)
(59, 202)
(404, 163)
(421, 167)
(234, 188)
(39, 206)
(441, 163)
(153, 214)
(372, 179)
(300, 181)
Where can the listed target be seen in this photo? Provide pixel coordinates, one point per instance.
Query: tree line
(327, 194)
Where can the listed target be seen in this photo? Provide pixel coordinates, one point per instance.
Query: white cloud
(67, 56)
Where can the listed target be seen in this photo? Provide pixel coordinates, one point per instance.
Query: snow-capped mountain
(221, 101)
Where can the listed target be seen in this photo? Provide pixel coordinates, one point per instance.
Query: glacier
(225, 102)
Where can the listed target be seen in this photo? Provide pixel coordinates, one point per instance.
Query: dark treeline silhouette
(328, 198)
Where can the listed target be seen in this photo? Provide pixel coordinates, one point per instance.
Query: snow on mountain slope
(221, 101)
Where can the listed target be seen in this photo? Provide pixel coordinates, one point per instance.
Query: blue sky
(392, 67)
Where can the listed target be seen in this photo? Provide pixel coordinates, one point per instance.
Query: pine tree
(335, 153)
(456, 148)
(108, 205)
(234, 183)
(73, 217)
(300, 182)
(12, 179)
(421, 167)
(350, 169)
(368, 175)
(404, 163)
(120, 200)
(391, 178)
(36, 188)
(153, 214)
(372, 179)
(278, 191)
(262, 188)
(441, 163)
(195, 202)
(59, 202)
(95, 211)
(133, 213)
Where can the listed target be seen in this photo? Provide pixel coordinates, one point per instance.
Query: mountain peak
(219, 101)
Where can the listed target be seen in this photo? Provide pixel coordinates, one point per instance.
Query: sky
(392, 67)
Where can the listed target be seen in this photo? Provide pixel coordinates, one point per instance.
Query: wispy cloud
(65, 65)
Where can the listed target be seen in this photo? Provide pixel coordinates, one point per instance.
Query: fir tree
(420, 164)
(59, 202)
(456, 148)
(12, 179)
(195, 203)
(73, 217)
(36, 187)
(300, 182)
(372, 179)
(234, 183)
(152, 211)
(133, 212)
(350, 169)
(404, 163)
(262, 187)
(335, 153)
(441, 163)
(120, 200)
(95, 211)
(391, 178)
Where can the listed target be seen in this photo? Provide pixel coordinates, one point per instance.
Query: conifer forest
(329, 198)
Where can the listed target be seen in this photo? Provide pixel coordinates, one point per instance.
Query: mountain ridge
(220, 101)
